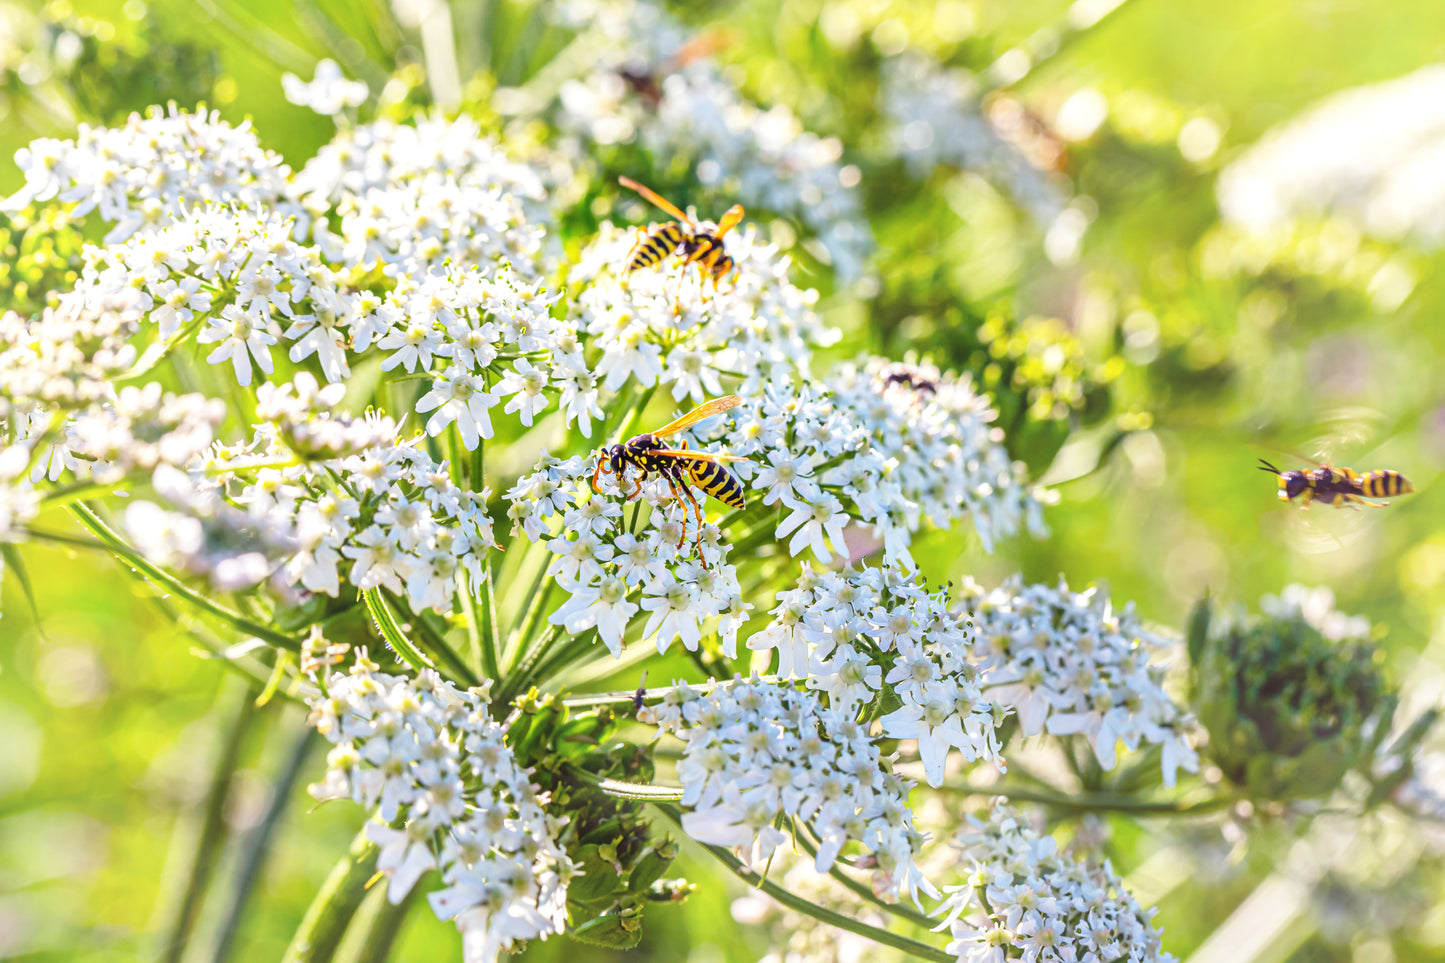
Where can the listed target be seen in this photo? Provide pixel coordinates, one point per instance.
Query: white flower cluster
(764, 158)
(141, 430)
(60, 412)
(1025, 900)
(242, 284)
(662, 326)
(1369, 153)
(611, 571)
(417, 198)
(362, 508)
(1316, 608)
(1069, 664)
(152, 170)
(848, 633)
(760, 751)
(937, 120)
(431, 760)
(897, 454)
(68, 356)
(231, 548)
(384, 156)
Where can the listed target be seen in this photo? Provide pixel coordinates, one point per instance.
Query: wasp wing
(689, 455)
(704, 410)
(655, 198)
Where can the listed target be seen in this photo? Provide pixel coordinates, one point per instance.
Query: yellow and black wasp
(681, 468)
(1338, 486)
(698, 244)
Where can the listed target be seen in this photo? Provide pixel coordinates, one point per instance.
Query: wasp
(1338, 486)
(681, 468)
(698, 244)
(646, 80)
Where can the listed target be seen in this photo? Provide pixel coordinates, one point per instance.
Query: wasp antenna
(1266, 466)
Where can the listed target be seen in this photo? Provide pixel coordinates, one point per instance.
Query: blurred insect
(697, 243)
(681, 468)
(646, 79)
(1036, 139)
(1338, 486)
(909, 377)
(640, 695)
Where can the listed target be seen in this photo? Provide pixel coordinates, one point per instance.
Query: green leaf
(16, 564)
(599, 879)
(621, 930)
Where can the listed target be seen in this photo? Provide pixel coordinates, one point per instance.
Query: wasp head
(616, 457)
(1291, 483)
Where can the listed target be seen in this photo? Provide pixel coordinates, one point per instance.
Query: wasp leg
(638, 490)
(1306, 496)
(1356, 498)
(681, 280)
(677, 496)
(701, 521)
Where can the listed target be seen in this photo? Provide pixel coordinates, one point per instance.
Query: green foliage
(39, 253)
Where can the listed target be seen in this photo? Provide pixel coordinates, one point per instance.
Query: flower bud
(1291, 703)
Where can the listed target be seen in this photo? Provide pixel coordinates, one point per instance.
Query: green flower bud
(1289, 709)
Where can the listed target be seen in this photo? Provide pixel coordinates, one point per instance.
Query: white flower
(673, 608)
(242, 337)
(810, 522)
(1069, 664)
(525, 383)
(462, 398)
(603, 605)
(328, 93)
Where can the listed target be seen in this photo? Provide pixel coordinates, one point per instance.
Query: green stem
(1097, 802)
(257, 844)
(385, 621)
(822, 914)
(620, 405)
(374, 929)
(570, 651)
(490, 636)
(522, 675)
(438, 646)
(145, 569)
(535, 612)
(202, 832)
(326, 919)
(647, 792)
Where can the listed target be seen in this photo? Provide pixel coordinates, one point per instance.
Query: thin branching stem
(820, 913)
(203, 831)
(1096, 802)
(256, 846)
(118, 547)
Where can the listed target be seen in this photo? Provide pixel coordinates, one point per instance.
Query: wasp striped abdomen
(661, 243)
(1384, 484)
(718, 482)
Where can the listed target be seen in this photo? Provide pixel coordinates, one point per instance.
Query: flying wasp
(1338, 486)
(646, 80)
(697, 244)
(681, 468)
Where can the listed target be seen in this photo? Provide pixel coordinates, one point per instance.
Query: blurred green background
(1145, 375)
